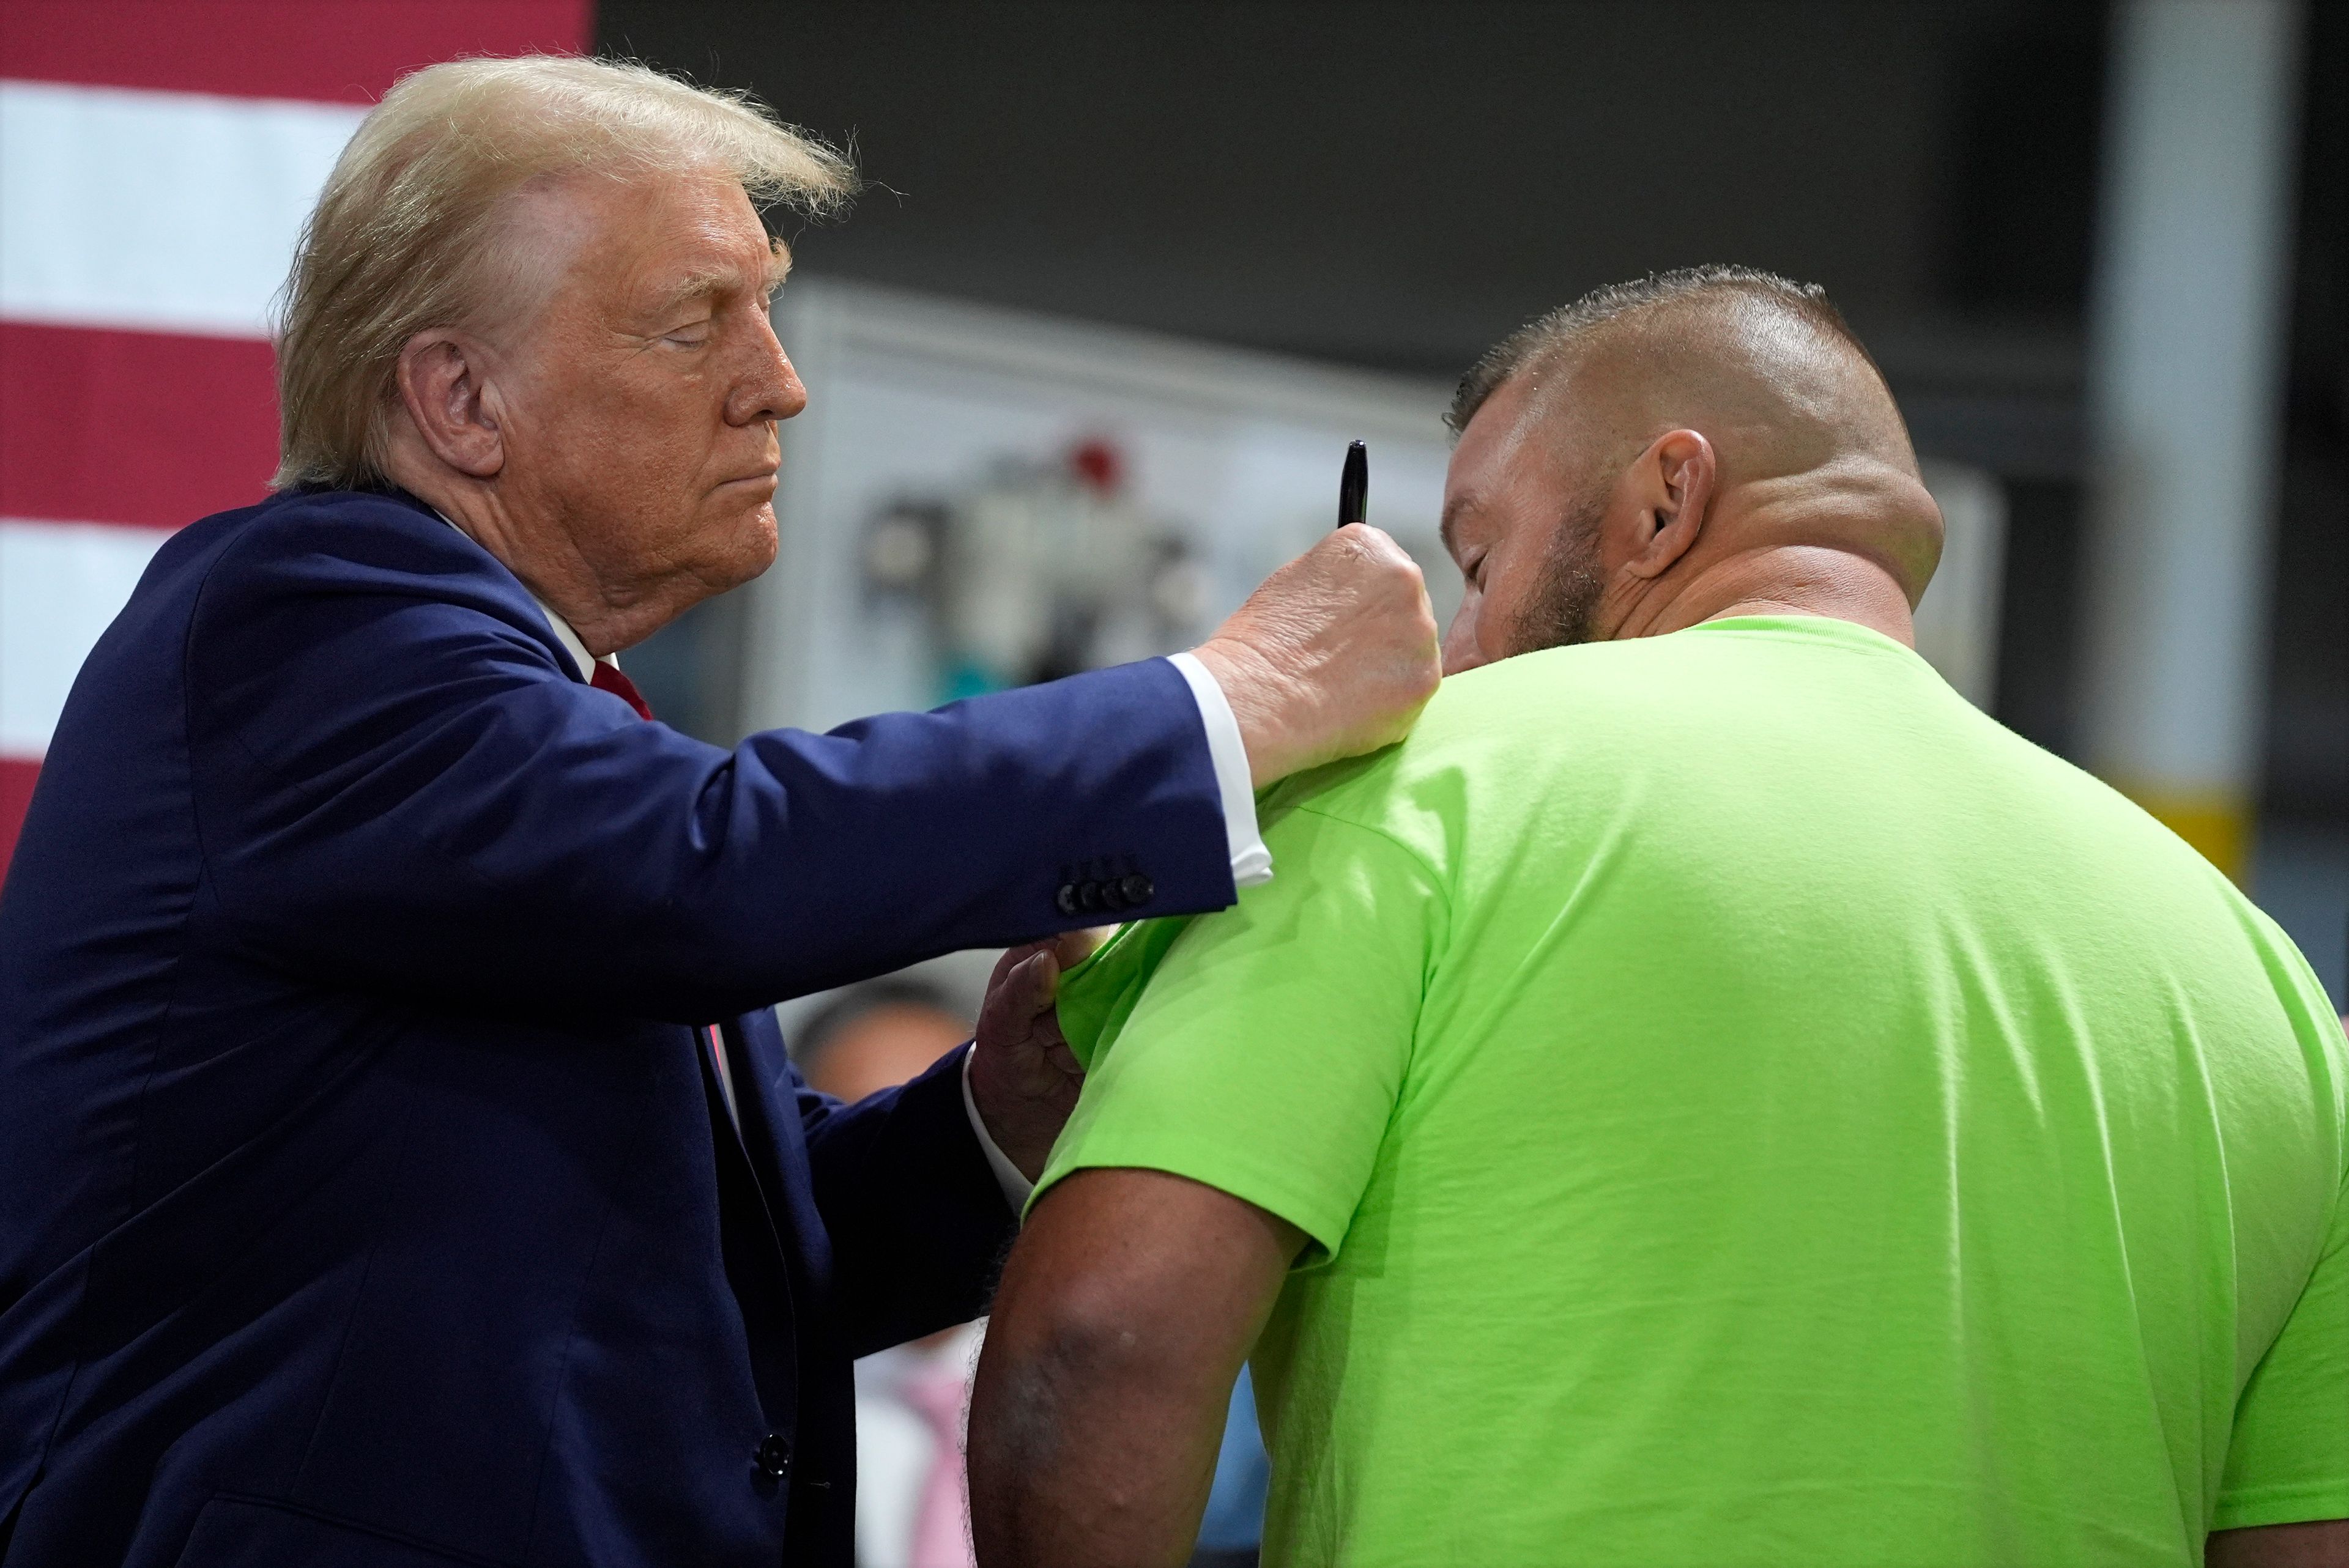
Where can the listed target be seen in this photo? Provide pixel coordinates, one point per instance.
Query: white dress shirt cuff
(1251, 861)
(1016, 1187)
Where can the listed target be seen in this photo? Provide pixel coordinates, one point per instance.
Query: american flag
(157, 158)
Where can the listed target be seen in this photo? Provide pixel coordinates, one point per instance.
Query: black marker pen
(1354, 485)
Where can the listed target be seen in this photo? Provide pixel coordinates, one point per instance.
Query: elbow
(1061, 1471)
(1089, 1333)
(1044, 1362)
(1055, 1375)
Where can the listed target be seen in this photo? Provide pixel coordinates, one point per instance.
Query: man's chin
(757, 544)
(731, 551)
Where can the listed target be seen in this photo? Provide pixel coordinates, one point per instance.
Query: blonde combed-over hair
(404, 236)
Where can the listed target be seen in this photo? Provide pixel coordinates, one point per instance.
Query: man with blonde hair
(399, 1161)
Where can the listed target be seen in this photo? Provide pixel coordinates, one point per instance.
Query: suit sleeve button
(1136, 889)
(1066, 898)
(1089, 895)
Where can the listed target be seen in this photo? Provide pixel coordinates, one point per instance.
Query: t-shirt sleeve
(2287, 1461)
(1265, 1055)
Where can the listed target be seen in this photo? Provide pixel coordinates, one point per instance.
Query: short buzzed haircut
(1550, 336)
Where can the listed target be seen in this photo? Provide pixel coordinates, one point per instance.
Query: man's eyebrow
(695, 287)
(1446, 529)
(706, 281)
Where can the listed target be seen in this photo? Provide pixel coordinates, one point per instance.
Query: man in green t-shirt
(1711, 1096)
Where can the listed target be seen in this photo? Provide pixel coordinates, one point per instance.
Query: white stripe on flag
(155, 211)
(61, 585)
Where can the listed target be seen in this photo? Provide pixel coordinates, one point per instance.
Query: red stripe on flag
(16, 776)
(346, 52)
(148, 429)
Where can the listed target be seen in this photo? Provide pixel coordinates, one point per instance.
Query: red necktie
(607, 677)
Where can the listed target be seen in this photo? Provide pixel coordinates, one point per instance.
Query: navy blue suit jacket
(362, 1198)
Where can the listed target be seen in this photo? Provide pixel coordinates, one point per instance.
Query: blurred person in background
(877, 1034)
(912, 1510)
(398, 1158)
(1710, 1094)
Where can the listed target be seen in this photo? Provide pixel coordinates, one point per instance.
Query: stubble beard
(1564, 601)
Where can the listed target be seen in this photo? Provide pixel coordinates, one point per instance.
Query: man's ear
(1672, 485)
(443, 388)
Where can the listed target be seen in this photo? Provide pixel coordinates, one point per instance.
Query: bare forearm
(1125, 1313)
(1085, 1453)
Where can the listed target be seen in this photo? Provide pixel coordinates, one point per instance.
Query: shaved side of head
(1722, 288)
(1773, 357)
(1765, 368)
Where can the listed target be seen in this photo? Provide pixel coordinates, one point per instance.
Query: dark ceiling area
(1397, 185)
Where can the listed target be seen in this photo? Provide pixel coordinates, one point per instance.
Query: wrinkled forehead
(638, 245)
(688, 274)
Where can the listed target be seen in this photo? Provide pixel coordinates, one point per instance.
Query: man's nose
(770, 390)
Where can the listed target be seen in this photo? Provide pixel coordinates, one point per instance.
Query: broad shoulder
(1564, 734)
(1488, 730)
(309, 568)
(317, 533)
(330, 544)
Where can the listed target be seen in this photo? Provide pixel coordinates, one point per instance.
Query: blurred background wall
(2100, 251)
(2005, 197)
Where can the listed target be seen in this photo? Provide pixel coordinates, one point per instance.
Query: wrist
(1021, 1130)
(1015, 1183)
(1251, 687)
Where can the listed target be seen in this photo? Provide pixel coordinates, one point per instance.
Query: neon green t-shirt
(1747, 1106)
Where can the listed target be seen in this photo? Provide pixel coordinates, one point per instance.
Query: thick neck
(1780, 579)
(1852, 540)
